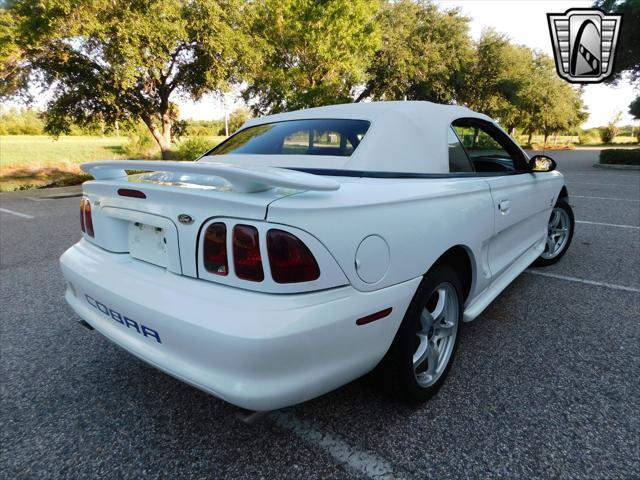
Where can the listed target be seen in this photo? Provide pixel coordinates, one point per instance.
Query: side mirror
(542, 163)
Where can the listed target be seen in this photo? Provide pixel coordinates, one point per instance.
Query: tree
(627, 59)
(12, 77)
(495, 78)
(634, 108)
(316, 52)
(549, 104)
(422, 53)
(611, 130)
(238, 117)
(117, 60)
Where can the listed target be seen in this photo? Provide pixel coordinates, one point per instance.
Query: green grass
(567, 140)
(31, 161)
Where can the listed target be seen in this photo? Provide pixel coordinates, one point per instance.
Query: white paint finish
(633, 227)
(372, 259)
(477, 305)
(169, 201)
(242, 178)
(604, 198)
(419, 219)
(17, 214)
(264, 346)
(517, 229)
(256, 350)
(584, 281)
(365, 463)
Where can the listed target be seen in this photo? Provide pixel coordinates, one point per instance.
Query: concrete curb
(45, 193)
(616, 167)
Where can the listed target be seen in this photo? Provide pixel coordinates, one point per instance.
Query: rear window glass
(338, 137)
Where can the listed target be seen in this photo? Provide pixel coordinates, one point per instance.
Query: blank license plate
(148, 243)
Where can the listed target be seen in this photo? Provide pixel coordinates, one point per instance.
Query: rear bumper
(257, 351)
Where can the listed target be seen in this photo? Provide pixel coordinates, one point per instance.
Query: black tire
(397, 369)
(544, 259)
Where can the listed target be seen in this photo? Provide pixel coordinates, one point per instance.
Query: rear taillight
(215, 249)
(247, 261)
(86, 222)
(82, 227)
(290, 259)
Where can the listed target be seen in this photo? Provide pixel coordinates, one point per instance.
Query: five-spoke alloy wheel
(559, 234)
(423, 349)
(436, 335)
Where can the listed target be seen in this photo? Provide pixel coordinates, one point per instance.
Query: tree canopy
(115, 59)
(627, 59)
(422, 54)
(315, 53)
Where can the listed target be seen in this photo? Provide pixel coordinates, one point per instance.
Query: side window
(487, 147)
(458, 159)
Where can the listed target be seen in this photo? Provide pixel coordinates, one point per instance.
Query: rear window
(339, 137)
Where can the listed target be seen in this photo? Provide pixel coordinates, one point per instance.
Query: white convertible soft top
(403, 137)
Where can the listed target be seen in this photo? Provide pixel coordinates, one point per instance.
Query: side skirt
(482, 301)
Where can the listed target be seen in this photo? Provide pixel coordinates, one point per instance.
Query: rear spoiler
(243, 179)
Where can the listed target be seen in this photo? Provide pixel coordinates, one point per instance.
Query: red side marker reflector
(129, 192)
(374, 316)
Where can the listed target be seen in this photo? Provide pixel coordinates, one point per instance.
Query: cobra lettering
(123, 320)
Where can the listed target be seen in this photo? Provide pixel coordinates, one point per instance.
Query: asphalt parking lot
(545, 384)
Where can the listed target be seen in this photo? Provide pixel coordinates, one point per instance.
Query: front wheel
(559, 234)
(424, 347)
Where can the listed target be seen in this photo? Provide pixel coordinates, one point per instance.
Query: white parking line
(17, 214)
(582, 280)
(365, 463)
(601, 175)
(633, 227)
(634, 185)
(605, 198)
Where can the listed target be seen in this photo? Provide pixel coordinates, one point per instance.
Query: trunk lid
(163, 227)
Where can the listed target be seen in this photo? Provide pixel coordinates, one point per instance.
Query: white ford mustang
(312, 246)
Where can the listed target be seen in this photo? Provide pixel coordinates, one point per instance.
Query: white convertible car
(312, 246)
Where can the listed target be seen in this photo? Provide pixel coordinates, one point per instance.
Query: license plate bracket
(148, 243)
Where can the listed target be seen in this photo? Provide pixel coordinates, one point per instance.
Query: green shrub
(608, 133)
(193, 147)
(140, 144)
(620, 156)
(21, 121)
(588, 137)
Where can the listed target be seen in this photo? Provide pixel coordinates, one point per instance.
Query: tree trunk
(544, 143)
(365, 93)
(476, 134)
(530, 138)
(162, 137)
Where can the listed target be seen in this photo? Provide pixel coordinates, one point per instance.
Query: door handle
(503, 206)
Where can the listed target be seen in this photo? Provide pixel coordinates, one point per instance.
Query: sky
(525, 22)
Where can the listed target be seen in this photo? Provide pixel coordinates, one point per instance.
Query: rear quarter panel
(420, 219)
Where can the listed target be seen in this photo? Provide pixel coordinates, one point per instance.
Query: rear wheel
(423, 349)
(559, 234)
